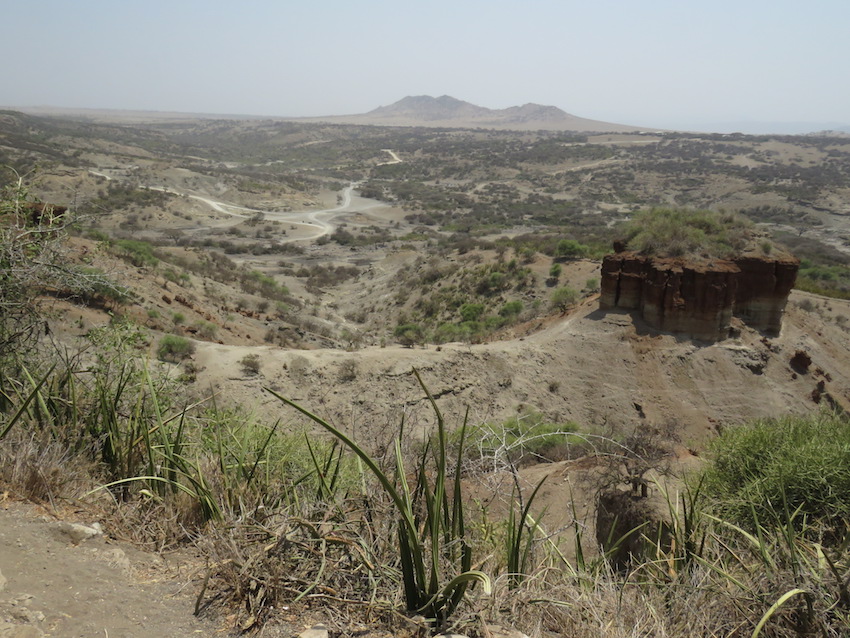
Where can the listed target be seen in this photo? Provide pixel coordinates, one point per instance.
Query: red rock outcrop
(699, 297)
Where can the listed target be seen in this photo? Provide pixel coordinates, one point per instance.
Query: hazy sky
(666, 63)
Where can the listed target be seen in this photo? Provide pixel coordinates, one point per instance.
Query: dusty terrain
(330, 346)
(57, 584)
(558, 369)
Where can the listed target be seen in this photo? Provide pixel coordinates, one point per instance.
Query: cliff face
(699, 298)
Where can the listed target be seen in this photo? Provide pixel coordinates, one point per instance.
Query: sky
(657, 63)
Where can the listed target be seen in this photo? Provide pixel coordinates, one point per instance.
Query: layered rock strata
(699, 297)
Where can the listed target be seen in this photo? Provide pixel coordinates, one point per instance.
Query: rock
(316, 631)
(800, 362)
(26, 615)
(116, 557)
(3, 582)
(698, 296)
(497, 631)
(9, 630)
(79, 533)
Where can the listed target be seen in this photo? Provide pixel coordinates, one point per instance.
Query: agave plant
(431, 530)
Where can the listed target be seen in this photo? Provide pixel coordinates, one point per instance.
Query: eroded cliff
(698, 296)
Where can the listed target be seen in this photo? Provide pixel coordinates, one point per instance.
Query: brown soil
(98, 587)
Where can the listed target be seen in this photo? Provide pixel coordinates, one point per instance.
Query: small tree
(570, 249)
(33, 261)
(563, 298)
(408, 334)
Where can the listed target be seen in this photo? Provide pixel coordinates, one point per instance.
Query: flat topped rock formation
(699, 297)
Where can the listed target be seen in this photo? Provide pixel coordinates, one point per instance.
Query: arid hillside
(209, 264)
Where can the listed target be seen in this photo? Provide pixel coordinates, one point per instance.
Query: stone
(497, 631)
(316, 631)
(3, 582)
(79, 533)
(115, 557)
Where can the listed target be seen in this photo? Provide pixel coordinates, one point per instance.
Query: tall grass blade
(775, 607)
(23, 407)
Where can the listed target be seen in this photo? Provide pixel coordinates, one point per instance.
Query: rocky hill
(448, 112)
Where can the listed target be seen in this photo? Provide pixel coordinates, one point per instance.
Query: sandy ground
(600, 370)
(98, 587)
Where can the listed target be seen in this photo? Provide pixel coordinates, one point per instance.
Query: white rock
(497, 631)
(3, 582)
(316, 631)
(79, 533)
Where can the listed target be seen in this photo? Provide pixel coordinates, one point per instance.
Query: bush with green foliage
(570, 249)
(139, 253)
(796, 467)
(668, 232)
(564, 297)
(409, 334)
(174, 348)
(524, 439)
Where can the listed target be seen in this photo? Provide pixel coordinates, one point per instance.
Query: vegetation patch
(777, 472)
(666, 232)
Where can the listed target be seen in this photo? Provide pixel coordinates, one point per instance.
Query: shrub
(676, 232)
(564, 297)
(206, 329)
(138, 253)
(250, 364)
(471, 311)
(174, 348)
(511, 309)
(570, 249)
(408, 334)
(524, 439)
(773, 469)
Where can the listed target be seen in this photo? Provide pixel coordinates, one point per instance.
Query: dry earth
(600, 370)
(56, 583)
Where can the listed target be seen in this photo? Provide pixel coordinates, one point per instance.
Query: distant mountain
(449, 112)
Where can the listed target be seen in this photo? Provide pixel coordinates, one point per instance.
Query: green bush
(138, 253)
(775, 469)
(570, 249)
(408, 334)
(564, 297)
(511, 309)
(674, 232)
(471, 311)
(174, 348)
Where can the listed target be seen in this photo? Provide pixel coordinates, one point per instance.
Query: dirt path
(94, 587)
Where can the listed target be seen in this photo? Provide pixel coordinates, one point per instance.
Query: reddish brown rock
(763, 291)
(699, 297)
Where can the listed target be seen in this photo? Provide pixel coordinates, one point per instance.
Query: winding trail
(319, 220)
